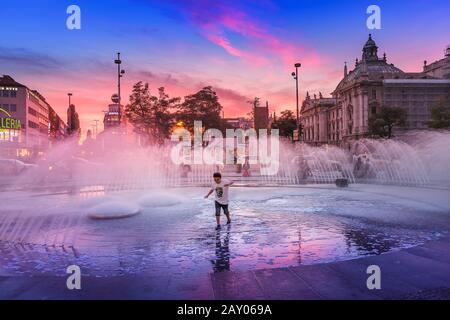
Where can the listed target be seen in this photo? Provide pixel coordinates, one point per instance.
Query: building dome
(370, 42)
(371, 67)
(370, 50)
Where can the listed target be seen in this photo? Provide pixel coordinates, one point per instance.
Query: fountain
(51, 207)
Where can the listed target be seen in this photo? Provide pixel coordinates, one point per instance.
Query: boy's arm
(229, 184)
(209, 193)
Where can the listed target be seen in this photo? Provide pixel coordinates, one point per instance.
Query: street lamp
(295, 76)
(120, 73)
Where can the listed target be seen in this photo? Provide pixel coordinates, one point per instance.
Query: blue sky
(242, 48)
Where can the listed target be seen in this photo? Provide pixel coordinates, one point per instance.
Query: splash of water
(419, 158)
(96, 171)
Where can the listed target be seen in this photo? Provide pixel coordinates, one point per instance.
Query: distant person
(220, 187)
(369, 169)
(246, 168)
(303, 170)
(236, 161)
(185, 170)
(358, 169)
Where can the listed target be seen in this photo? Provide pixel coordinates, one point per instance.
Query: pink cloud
(217, 22)
(225, 43)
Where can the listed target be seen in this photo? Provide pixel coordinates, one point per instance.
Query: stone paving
(421, 272)
(285, 243)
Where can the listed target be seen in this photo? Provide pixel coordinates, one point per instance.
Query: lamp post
(120, 73)
(295, 76)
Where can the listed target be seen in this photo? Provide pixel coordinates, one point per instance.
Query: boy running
(220, 187)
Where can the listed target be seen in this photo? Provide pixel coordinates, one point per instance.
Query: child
(220, 187)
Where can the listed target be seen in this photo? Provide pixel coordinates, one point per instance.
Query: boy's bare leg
(218, 220)
(228, 217)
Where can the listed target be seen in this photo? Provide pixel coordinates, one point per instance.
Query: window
(13, 94)
(32, 124)
(374, 109)
(5, 107)
(5, 93)
(12, 107)
(374, 94)
(32, 111)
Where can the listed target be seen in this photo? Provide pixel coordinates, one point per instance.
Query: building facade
(320, 120)
(372, 84)
(118, 132)
(261, 118)
(115, 119)
(440, 68)
(38, 121)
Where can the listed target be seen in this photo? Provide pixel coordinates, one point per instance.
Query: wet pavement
(171, 249)
(417, 273)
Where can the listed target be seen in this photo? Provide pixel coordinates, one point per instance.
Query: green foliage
(439, 115)
(202, 106)
(381, 124)
(286, 124)
(151, 115)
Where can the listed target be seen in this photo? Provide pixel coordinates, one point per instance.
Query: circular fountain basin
(272, 227)
(113, 210)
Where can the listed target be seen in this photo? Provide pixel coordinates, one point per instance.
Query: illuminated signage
(9, 89)
(8, 122)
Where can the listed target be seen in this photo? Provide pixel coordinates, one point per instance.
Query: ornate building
(374, 83)
(321, 120)
(440, 68)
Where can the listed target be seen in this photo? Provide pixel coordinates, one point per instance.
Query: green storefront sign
(8, 122)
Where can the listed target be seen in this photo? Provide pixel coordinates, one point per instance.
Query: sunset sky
(242, 48)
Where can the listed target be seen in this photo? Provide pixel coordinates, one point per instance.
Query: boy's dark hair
(217, 175)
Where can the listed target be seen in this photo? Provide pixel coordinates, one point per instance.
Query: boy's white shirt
(220, 191)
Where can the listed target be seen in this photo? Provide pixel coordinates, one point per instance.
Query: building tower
(370, 50)
(73, 121)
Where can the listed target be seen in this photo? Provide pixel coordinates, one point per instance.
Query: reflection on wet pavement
(222, 258)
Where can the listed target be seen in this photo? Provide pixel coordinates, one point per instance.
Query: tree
(256, 102)
(151, 115)
(55, 123)
(439, 115)
(162, 111)
(286, 124)
(381, 124)
(202, 106)
(138, 111)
